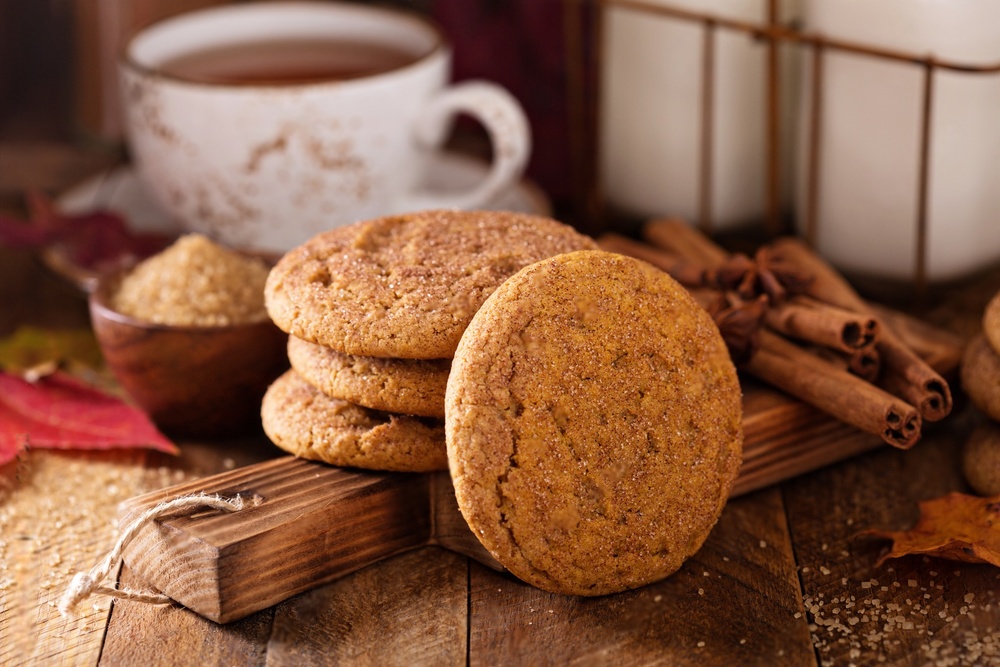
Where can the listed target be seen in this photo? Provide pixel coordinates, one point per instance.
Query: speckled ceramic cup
(265, 166)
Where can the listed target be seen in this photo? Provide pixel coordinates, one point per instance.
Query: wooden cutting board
(309, 523)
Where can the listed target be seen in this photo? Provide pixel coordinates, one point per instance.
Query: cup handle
(508, 129)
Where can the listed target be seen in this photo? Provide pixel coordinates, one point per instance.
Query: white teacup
(264, 159)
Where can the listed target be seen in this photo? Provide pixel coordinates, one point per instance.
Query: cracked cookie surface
(405, 386)
(305, 422)
(593, 422)
(406, 286)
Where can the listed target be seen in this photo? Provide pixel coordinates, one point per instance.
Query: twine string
(85, 584)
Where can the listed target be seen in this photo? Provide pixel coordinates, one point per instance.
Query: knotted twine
(85, 584)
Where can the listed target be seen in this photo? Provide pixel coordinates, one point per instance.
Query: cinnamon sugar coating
(405, 386)
(305, 422)
(406, 286)
(593, 421)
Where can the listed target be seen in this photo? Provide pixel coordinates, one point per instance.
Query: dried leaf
(32, 348)
(98, 240)
(956, 526)
(61, 412)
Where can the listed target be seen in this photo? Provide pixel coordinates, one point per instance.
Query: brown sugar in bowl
(192, 380)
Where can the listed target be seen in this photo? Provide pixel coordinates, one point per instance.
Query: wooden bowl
(192, 381)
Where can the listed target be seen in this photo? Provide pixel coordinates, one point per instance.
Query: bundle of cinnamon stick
(792, 321)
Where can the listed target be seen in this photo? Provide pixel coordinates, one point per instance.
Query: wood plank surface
(57, 518)
(910, 611)
(410, 610)
(169, 635)
(732, 603)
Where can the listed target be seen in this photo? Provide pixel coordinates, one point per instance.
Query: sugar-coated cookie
(981, 459)
(404, 386)
(991, 322)
(980, 373)
(406, 286)
(593, 421)
(305, 422)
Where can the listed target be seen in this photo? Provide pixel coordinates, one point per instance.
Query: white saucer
(119, 189)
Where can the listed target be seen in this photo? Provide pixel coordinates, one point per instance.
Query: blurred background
(868, 128)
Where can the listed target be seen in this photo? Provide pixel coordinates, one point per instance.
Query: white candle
(650, 112)
(870, 138)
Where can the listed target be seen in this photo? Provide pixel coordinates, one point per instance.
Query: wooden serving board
(306, 523)
(310, 523)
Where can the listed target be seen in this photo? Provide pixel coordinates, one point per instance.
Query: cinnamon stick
(864, 362)
(678, 237)
(802, 374)
(835, 391)
(807, 319)
(800, 317)
(685, 271)
(904, 373)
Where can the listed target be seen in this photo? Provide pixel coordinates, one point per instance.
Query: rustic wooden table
(784, 578)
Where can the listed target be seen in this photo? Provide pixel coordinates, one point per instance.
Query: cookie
(406, 286)
(405, 386)
(980, 374)
(593, 422)
(305, 422)
(991, 322)
(981, 459)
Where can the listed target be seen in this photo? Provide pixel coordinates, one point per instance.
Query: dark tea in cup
(287, 62)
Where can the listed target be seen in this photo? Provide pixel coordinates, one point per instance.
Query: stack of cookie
(981, 380)
(374, 313)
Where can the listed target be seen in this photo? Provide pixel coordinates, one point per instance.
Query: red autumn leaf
(61, 412)
(94, 240)
(956, 526)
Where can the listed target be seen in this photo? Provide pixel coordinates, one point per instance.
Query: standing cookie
(593, 422)
(406, 286)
